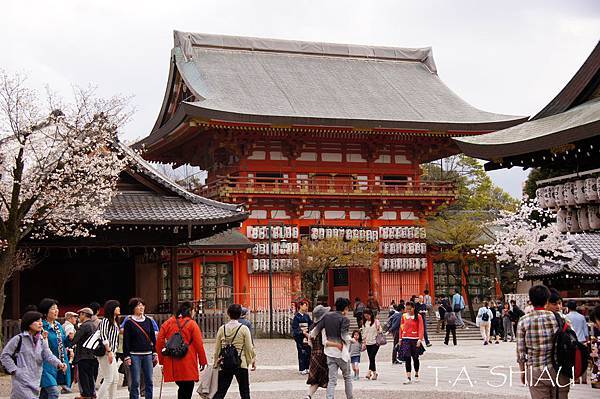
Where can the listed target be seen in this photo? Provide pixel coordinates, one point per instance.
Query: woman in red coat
(183, 371)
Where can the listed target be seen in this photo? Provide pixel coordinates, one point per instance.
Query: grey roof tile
(266, 77)
(585, 262)
(575, 124)
(178, 207)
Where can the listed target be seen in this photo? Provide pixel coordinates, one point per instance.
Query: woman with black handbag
(139, 343)
(411, 340)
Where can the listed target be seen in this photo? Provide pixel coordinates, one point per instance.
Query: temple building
(563, 139)
(134, 254)
(317, 140)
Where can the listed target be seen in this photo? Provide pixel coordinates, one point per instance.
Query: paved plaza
(466, 371)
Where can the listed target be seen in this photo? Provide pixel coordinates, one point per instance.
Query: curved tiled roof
(282, 82)
(576, 124)
(584, 263)
(178, 207)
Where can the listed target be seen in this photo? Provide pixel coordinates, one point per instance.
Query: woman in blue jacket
(52, 378)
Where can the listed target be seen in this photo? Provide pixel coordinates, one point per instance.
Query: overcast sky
(508, 57)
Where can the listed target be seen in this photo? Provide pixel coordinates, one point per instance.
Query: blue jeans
(141, 364)
(50, 393)
(425, 329)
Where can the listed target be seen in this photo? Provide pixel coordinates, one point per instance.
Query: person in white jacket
(484, 322)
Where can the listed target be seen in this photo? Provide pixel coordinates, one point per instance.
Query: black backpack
(229, 357)
(13, 356)
(570, 357)
(176, 345)
(485, 317)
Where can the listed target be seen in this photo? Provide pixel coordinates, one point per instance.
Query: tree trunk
(6, 265)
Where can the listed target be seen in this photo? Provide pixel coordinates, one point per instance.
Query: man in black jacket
(84, 357)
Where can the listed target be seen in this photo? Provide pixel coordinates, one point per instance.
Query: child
(355, 348)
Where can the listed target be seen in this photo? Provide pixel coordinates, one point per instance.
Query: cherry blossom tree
(527, 237)
(58, 168)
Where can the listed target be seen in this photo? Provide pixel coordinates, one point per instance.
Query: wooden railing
(327, 186)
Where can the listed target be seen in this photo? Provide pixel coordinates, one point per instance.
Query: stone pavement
(469, 370)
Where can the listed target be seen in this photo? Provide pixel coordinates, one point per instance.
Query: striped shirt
(109, 334)
(535, 333)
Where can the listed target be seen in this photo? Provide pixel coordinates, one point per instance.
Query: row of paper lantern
(277, 248)
(398, 264)
(322, 233)
(577, 220)
(410, 248)
(399, 232)
(262, 265)
(572, 193)
(277, 232)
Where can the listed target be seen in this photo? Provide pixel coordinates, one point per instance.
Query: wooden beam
(174, 281)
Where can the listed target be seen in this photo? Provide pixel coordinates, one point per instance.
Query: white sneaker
(407, 382)
(416, 379)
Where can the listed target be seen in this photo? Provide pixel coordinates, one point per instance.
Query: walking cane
(162, 377)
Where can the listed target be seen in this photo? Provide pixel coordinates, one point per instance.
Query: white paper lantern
(295, 247)
(264, 266)
(255, 232)
(314, 233)
(355, 234)
(569, 193)
(369, 235)
(561, 220)
(423, 248)
(582, 218)
(383, 233)
(249, 231)
(255, 249)
(288, 231)
(572, 222)
(411, 248)
(410, 233)
(423, 263)
(275, 248)
(321, 233)
(580, 192)
(348, 234)
(417, 248)
(402, 232)
(548, 193)
(262, 233)
(275, 263)
(559, 198)
(392, 248)
(591, 189)
(295, 232)
(328, 233)
(594, 216)
(539, 198)
(255, 265)
(404, 263)
(375, 235)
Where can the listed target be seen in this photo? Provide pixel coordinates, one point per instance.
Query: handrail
(329, 185)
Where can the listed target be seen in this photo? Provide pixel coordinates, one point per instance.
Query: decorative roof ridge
(142, 166)
(187, 40)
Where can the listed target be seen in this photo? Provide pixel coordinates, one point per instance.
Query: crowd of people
(48, 357)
